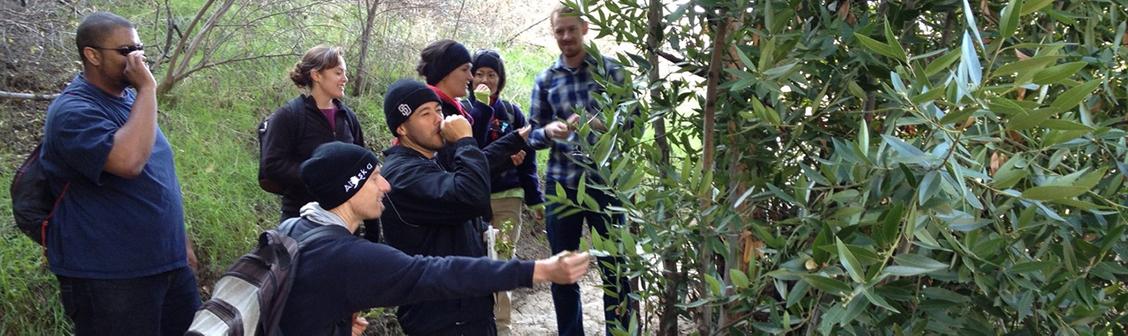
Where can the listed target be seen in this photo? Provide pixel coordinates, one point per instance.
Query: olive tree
(868, 167)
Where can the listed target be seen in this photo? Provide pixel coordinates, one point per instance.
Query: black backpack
(249, 298)
(266, 184)
(33, 202)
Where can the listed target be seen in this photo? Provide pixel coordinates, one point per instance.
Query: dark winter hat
(453, 57)
(403, 97)
(485, 58)
(336, 171)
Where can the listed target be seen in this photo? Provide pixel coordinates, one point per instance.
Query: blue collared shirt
(557, 94)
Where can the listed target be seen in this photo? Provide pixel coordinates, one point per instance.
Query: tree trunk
(668, 316)
(709, 143)
(361, 76)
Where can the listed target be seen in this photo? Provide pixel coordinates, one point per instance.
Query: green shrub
(901, 168)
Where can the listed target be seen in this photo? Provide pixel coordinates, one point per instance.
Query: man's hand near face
(137, 72)
(455, 127)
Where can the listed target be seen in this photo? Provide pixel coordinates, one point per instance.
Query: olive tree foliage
(868, 167)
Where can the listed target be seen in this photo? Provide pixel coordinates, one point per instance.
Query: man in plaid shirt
(562, 98)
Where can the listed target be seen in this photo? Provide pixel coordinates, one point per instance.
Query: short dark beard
(420, 144)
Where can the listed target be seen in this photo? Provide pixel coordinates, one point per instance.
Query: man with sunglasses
(116, 241)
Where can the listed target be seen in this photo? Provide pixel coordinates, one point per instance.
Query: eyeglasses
(124, 51)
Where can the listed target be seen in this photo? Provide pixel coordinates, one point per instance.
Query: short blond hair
(564, 10)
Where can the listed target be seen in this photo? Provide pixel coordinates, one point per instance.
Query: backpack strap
(43, 226)
(288, 226)
(510, 115)
(319, 232)
(270, 319)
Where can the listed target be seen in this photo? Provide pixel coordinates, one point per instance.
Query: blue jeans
(564, 234)
(161, 304)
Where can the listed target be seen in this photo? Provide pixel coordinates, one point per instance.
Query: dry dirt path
(533, 314)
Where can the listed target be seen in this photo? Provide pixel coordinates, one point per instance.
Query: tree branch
(204, 32)
(522, 31)
(709, 143)
(233, 60)
(179, 50)
(30, 96)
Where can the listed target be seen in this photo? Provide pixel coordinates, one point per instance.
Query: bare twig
(522, 31)
(30, 96)
(228, 61)
(458, 19)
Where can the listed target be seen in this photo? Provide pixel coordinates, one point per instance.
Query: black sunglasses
(124, 51)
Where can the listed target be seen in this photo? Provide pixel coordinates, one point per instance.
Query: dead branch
(229, 61)
(204, 32)
(511, 38)
(167, 83)
(28, 96)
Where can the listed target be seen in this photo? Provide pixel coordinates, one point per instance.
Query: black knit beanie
(336, 171)
(402, 98)
(485, 58)
(453, 57)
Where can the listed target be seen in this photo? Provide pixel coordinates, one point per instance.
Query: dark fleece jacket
(497, 153)
(340, 275)
(493, 123)
(433, 210)
(289, 136)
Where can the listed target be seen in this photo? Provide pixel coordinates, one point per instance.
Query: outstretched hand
(524, 131)
(557, 130)
(563, 268)
(359, 324)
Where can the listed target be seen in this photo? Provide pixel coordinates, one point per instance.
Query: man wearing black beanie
(340, 274)
(436, 204)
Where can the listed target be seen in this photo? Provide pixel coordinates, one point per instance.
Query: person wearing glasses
(314, 117)
(116, 241)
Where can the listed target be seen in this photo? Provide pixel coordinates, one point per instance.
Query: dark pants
(564, 234)
(485, 327)
(161, 304)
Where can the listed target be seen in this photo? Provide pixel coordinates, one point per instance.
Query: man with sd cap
(436, 204)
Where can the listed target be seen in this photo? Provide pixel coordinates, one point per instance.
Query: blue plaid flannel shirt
(557, 92)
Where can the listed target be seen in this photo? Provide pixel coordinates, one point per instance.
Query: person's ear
(92, 56)
(400, 130)
(314, 76)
